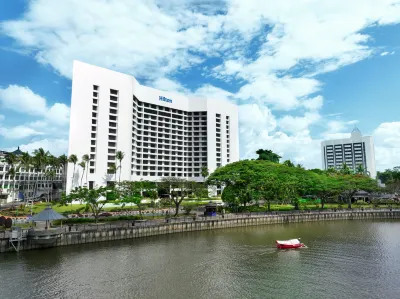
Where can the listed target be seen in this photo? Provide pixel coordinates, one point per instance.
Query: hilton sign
(164, 99)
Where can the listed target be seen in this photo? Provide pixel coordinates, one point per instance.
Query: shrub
(8, 223)
(375, 202)
(2, 220)
(187, 209)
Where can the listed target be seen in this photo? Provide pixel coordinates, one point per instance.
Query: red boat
(289, 244)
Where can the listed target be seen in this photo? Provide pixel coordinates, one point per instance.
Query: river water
(344, 259)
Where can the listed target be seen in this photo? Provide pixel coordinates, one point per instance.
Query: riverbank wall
(92, 234)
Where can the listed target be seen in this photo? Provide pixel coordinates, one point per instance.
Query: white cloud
(18, 132)
(51, 121)
(55, 146)
(282, 93)
(58, 114)
(296, 124)
(253, 116)
(156, 40)
(140, 37)
(387, 53)
(338, 129)
(23, 100)
(387, 145)
(212, 92)
(314, 104)
(166, 84)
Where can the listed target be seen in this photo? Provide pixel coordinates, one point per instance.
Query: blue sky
(301, 72)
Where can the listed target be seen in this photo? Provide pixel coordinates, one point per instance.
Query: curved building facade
(162, 134)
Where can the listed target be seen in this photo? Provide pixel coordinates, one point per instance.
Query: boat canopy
(289, 242)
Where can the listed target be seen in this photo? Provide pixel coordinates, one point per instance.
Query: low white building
(354, 151)
(22, 186)
(162, 134)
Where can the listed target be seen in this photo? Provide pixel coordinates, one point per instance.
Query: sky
(301, 71)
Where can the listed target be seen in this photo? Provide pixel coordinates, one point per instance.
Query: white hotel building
(351, 151)
(162, 134)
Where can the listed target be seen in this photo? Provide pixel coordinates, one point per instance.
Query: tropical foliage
(42, 162)
(250, 181)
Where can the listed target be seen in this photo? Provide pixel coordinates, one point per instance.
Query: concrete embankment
(91, 234)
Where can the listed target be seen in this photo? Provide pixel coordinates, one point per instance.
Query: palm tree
(86, 159)
(83, 165)
(345, 169)
(331, 171)
(288, 163)
(40, 157)
(204, 172)
(120, 156)
(12, 161)
(73, 159)
(112, 169)
(50, 175)
(63, 161)
(25, 161)
(300, 166)
(54, 164)
(360, 169)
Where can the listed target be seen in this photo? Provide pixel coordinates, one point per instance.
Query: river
(344, 259)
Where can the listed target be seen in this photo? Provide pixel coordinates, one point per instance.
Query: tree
(288, 163)
(230, 195)
(351, 184)
(360, 169)
(129, 192)
(40, 157)
(200, 190)
(95, 198)
(50, 176)
(267, 187)
(73, 159)
(326, 187)
(86, 159)
(120, 156)
(177, 189)
(62, 162)
(392, 179)
(318, 171)
(245, 180)
(264, 180)
(389, 175)
(53, 165)
(331, 171)
(345, 169)
(112, 169)
(83, 165)
(268, 155)
(204, 172)
(25, 161)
